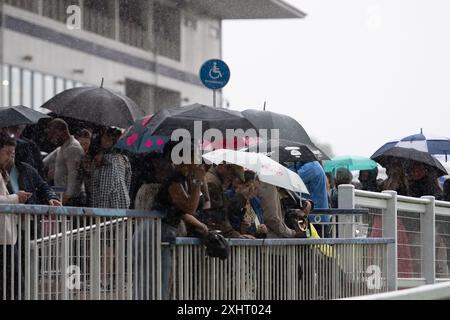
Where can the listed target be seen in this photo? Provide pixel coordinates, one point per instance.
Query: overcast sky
(354, 73)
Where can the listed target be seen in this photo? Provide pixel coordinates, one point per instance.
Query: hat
(238, 172)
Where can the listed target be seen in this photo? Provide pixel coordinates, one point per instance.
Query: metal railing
(100, 254)
(340, 221)
(276, 269)
(53, 253)
(439, 291)
(421, 227)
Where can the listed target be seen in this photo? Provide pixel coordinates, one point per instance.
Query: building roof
(245, 9)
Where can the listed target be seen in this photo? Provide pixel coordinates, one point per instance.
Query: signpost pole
(214, 98)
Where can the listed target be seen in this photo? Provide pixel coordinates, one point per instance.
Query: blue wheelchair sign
(215, 74)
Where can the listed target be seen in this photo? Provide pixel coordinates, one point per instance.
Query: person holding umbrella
(422, 181)
(107, 173)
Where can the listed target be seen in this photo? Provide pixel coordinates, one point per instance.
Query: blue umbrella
(420, 143)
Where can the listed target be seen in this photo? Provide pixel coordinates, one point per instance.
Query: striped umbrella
(415, 148)
(431, 145)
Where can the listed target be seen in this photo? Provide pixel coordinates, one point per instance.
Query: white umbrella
(268, 170)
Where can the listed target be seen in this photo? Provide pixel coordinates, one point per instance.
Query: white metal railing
(75, 253)
(281, 269)
(421, 227)
(427, 292)
(101, 254)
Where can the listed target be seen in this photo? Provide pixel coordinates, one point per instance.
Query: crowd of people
(196, 198)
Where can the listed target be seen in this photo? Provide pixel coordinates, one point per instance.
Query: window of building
(99, 17)
(69, 84)
(5, 85)
(165, 98)
(49, 87)
(151, 98)
(134, 23)
(15, 86)
(38, 85)
(57, 9)
(59, 85)
(27, 87)
(29, 5)
(167, 31)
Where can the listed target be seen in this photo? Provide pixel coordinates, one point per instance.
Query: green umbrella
(352, 163)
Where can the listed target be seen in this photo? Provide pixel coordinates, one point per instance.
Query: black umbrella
(19, 115)
(97, 105)
(289, 128)
(284, 151)
(410, 154)
(167, 120)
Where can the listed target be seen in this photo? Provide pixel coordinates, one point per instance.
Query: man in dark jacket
(30, 181)
(24, 177)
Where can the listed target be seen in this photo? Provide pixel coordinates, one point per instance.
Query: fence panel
(49, 253)
(280, 270)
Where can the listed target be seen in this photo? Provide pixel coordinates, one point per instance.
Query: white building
(151, 50)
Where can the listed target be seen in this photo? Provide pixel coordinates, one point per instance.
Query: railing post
(130, 257)
(389, 223)
(346, 200)
(64, 263)
(158, 260)
(427, 225)
(27, 258)
(96, 260)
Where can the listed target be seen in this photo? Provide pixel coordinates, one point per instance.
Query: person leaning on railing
(8, 223)
(273, 202)
(244, 208)
(178, 198)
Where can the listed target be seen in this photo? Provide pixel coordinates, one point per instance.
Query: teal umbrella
(352, 163)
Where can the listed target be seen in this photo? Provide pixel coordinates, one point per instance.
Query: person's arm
(73, 161)
(188, 203)
(273, 214)
(205, 192)
(215, 196)
(19, 197)
(44, 192)
(9, 199)
(195, 223)
(50, 159)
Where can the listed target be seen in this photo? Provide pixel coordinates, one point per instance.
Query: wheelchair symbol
(214, 72)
